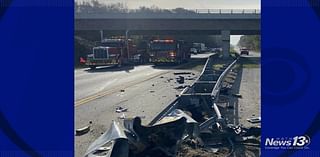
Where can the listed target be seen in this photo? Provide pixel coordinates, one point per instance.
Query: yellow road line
(127, 85)
(109, 92)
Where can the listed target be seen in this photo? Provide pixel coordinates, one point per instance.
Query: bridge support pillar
(225, 36)
(127, 43)
(101, 35)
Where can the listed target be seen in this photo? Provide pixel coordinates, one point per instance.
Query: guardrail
(217, 87)
(188, 119)
(227, 11)
(199, 89)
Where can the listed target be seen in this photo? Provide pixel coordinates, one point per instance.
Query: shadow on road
(250, 60)
(111, 69)
(194, 62)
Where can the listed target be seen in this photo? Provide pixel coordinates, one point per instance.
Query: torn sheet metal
(175, 124)
(192, 125)
(135, 139)
(115, 138)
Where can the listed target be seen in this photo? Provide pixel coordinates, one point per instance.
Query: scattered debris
(191, 126)
(181, 86)
(237, 95)
(182, 73)
(121, 109)
(159, 140)
(254, 120)
(180, 79)
(83, 130)
(191, 78)
(210, 149)
(123, 116)
(168, 80)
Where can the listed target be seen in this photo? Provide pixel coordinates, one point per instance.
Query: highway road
(251, 53)
(145, 90)
(90, 82)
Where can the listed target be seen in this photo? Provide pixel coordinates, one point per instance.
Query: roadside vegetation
(94, 6)
(81, 49)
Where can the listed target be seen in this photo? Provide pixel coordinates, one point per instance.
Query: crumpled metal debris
(182, 73)
(161, 139)
(83, 130)
(254, 120)
(192, 118)
(115, 138)
(121, 109)
(180, 79)
(123, 116)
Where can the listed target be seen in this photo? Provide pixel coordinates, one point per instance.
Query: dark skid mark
(15, 138)
(313, 129)
(315, 5)
(4, 5)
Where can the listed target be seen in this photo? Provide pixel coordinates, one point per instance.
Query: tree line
(94, 6)
(251, 42)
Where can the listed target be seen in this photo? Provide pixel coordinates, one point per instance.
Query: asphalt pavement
(89, 82)
(144, 90)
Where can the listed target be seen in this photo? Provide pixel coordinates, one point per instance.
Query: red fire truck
(169, 51)
(111, 52)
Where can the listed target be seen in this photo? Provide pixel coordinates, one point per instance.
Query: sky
(189, 4)
(234, 39)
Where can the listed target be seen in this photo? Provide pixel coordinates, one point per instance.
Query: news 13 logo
(296, 142)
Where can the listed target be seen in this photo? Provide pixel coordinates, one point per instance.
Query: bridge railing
(179, 11)
(227, 11)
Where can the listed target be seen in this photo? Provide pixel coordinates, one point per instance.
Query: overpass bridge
(195, 22)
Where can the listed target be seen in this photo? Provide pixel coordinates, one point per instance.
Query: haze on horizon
(187, 4)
